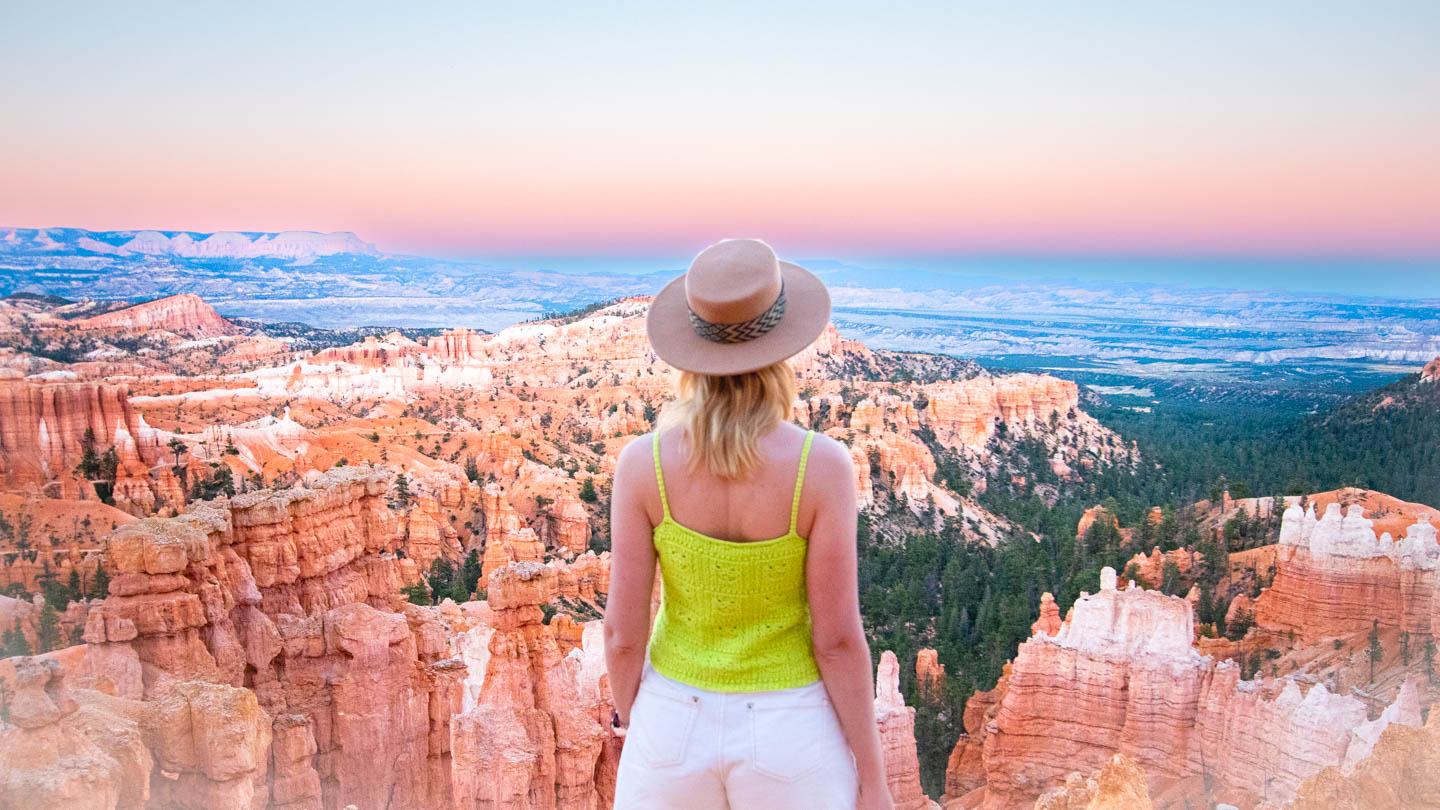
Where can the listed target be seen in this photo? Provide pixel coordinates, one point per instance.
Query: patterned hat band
(742, 331)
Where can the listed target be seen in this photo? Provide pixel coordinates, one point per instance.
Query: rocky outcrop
(929, 674)
(458, 346)
(529, 734)
(1049, 622)
(1431, 371)
(897, 738)
(1401, 772)
(196, 746)
(1121, 677)
(1334, 576)
(184, 314)
(1091, 516)
(1120, 785)
(43, 440)
(294, 596)
(965, 769)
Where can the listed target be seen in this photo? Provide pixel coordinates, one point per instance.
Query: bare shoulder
(829, 454)
(829, 460)
(635, 458)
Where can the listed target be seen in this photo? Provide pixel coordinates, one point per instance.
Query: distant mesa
(232, 245)
(219, 245)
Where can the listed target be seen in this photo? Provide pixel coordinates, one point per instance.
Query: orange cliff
(529, 731)
(43, 428)
(1334, 576)
(270, 628)
(1121, 676)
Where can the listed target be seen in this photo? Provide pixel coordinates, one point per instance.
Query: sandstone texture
(1121, 677)
(1335, 575)
(1120, 785)
(897, 738)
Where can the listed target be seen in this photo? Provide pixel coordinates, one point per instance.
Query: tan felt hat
(737, 309)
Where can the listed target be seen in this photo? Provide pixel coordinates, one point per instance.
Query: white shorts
(695, 749)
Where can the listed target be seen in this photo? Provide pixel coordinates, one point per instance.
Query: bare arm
(632, 575)
(840, 646)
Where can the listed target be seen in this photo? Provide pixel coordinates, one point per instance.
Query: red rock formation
(585, 577)
(458, 346)
(572, 524)
(428, 535)
(184, 314)
(1121, 677)
(1334, 576)
(965, 769)
(85, 749)
(288, 593)
(897, 737)
(1431, 371)
(929, 674)
(516, 546)
(42, 442)
(1148, 570)
(529, 734)
(1241, 608)
(1089, 518)
(370, 353)
(1049, 621)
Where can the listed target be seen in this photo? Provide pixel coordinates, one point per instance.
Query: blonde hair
(724, 416)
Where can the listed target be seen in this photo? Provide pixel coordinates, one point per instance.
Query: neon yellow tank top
(734, 617)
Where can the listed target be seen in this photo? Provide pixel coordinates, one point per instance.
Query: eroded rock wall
(1121, 677)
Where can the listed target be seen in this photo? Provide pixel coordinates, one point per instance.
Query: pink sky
(932, 133)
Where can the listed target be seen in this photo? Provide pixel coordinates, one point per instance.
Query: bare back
(737, 511)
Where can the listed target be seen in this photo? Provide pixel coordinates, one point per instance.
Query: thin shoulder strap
(799, 481)
(660, 477)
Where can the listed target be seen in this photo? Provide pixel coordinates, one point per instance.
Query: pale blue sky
(834, 129)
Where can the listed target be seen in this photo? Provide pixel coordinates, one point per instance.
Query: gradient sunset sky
(835, 129)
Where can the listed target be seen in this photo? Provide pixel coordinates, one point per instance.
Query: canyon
(1123, 675)
(265, 530)
(279, 630)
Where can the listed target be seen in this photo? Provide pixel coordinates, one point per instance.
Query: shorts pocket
(791, 742)
(660, 727)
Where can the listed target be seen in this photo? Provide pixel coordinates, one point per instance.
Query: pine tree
(587, 491)
(110, 465)
(470, 573)
(15, 642)
(1376, 651)
(441, 578)
(89, 461)
(416, 594)
(1430, 659)
(76, 591)
(401, 499)
(1169, 578)
(100, 585)
(47, 630)
(222, 480)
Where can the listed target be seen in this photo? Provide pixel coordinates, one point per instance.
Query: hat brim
(807, 311)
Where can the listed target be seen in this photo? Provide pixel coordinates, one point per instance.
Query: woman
(757, 693)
